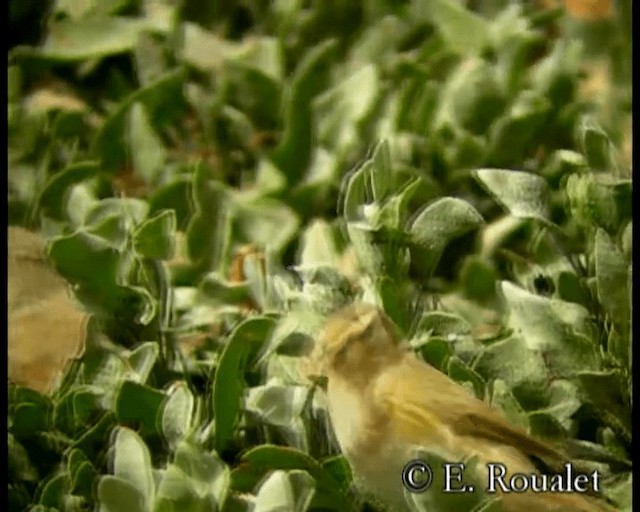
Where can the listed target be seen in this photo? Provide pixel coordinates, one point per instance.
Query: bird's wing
(432, 401)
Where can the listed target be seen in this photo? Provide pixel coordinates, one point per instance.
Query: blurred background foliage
(211, 178)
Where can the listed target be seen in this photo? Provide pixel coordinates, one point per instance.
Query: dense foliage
(214, 177)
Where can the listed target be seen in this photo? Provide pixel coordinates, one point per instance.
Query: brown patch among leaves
(46, 326)
(237, 273)
(587, 10)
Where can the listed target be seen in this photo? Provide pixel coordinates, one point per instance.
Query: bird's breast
(367, 441)
(348, 412)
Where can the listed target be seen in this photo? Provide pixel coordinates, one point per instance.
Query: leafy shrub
(213, 179)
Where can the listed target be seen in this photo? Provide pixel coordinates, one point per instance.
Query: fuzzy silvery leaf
(523, 195)
(292, 490)
(132, 463)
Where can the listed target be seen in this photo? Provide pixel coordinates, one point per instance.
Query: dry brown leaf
(46, 326)
(589, 10)
(236, 270)
(586, 10)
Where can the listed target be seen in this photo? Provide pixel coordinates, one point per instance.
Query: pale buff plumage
(384, 402)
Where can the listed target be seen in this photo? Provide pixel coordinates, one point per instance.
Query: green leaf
(54, 490)
(464, 31)
(150, 59)
(162, 100)
(129, 211)
(132, 463)
(545, 424)
(54, 196)
(380, 39)
(266, 222)
(138, 405)
(89, 38)
(196, 480)
(621, 492)
(318, 244)
(177, 413)
(607, 391)
(207, 243)
(478, 278)
(514, 363)
(627, 241)
(209, 476)
(97, 436)
(219, 289)
(82, 474)
(341, 110)
(247, 85)
(599, 200)
(559, 331)
(207, 51)
(155, 237)
(596, 146)
(228, 384)
(280, 406)
(202, 49)
(258, 461)
(175, 493)
(142, 360)
(435, 351)
(355, 194)
(571, 289)
(147, 151)
(380, 173)
(290, 490)
(176, 196)
(29, 419)
(86, 404)
(393, 212)
(518, 132)
(441, 323)
(472, 98)
(443, 220)
(392, 301)
(556, 74)
(439, 223)
(75, 458)
(94, 267)
(460, 372)
(502, 399)
(117, 494)
(30, 411)
(294, 151)
(611, 281)
(522, 194)
(19, 465)
(436, 498)
(564, 402)
(338, 468)
(563, 162)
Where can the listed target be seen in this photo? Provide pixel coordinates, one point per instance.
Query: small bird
(384, 402)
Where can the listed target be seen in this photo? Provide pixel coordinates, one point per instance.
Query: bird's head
(355, 341)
